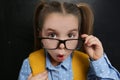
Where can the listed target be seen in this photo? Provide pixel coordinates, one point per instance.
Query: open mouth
(60, 57)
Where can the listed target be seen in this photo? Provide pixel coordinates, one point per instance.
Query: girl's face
(62, 27)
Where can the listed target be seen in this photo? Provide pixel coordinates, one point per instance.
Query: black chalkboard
(16, 28)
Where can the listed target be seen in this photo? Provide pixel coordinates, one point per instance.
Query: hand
(41, 76)
(93, 46)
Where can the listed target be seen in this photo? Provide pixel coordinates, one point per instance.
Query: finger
(29, 76)
(47, 78)
(43, 75)
(87, 38)
(84, 36)
(91, 41)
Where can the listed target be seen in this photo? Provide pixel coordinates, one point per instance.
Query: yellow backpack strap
(80, 65)
(37, 61)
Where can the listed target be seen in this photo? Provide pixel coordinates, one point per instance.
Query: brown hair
(82, 11)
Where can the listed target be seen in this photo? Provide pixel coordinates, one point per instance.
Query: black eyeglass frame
(64, 42)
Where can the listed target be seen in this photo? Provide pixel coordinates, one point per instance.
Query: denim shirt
(60, 72)
(99, 70)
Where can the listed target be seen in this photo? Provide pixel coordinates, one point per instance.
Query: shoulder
(80, 58)
(36, 56)
(25, 69)
(35, 53)
(80, 54)
(25, 65)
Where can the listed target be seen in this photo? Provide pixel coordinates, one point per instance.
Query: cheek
(68, 52)
(52, 53)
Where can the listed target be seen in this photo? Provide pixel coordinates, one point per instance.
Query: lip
(60, 57)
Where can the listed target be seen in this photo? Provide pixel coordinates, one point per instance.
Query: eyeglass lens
(55, 43)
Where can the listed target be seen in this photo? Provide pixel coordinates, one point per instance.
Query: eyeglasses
(52, 44)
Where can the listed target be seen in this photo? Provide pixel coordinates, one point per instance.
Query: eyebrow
(50, 29)
(73, 30)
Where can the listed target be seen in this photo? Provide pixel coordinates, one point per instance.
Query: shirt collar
(65, 64)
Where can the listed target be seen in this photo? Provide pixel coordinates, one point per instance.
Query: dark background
(16, 30)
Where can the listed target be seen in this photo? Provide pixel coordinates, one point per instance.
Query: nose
(61, 46)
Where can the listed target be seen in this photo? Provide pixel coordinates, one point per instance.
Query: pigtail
(86, 24)
(87, 18)
(38, 9)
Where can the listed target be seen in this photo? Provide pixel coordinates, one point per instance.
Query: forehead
(61, 21)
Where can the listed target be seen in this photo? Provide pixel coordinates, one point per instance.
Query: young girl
(69, 50)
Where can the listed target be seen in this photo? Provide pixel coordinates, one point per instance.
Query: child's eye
(52, 35)
(71, 35)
